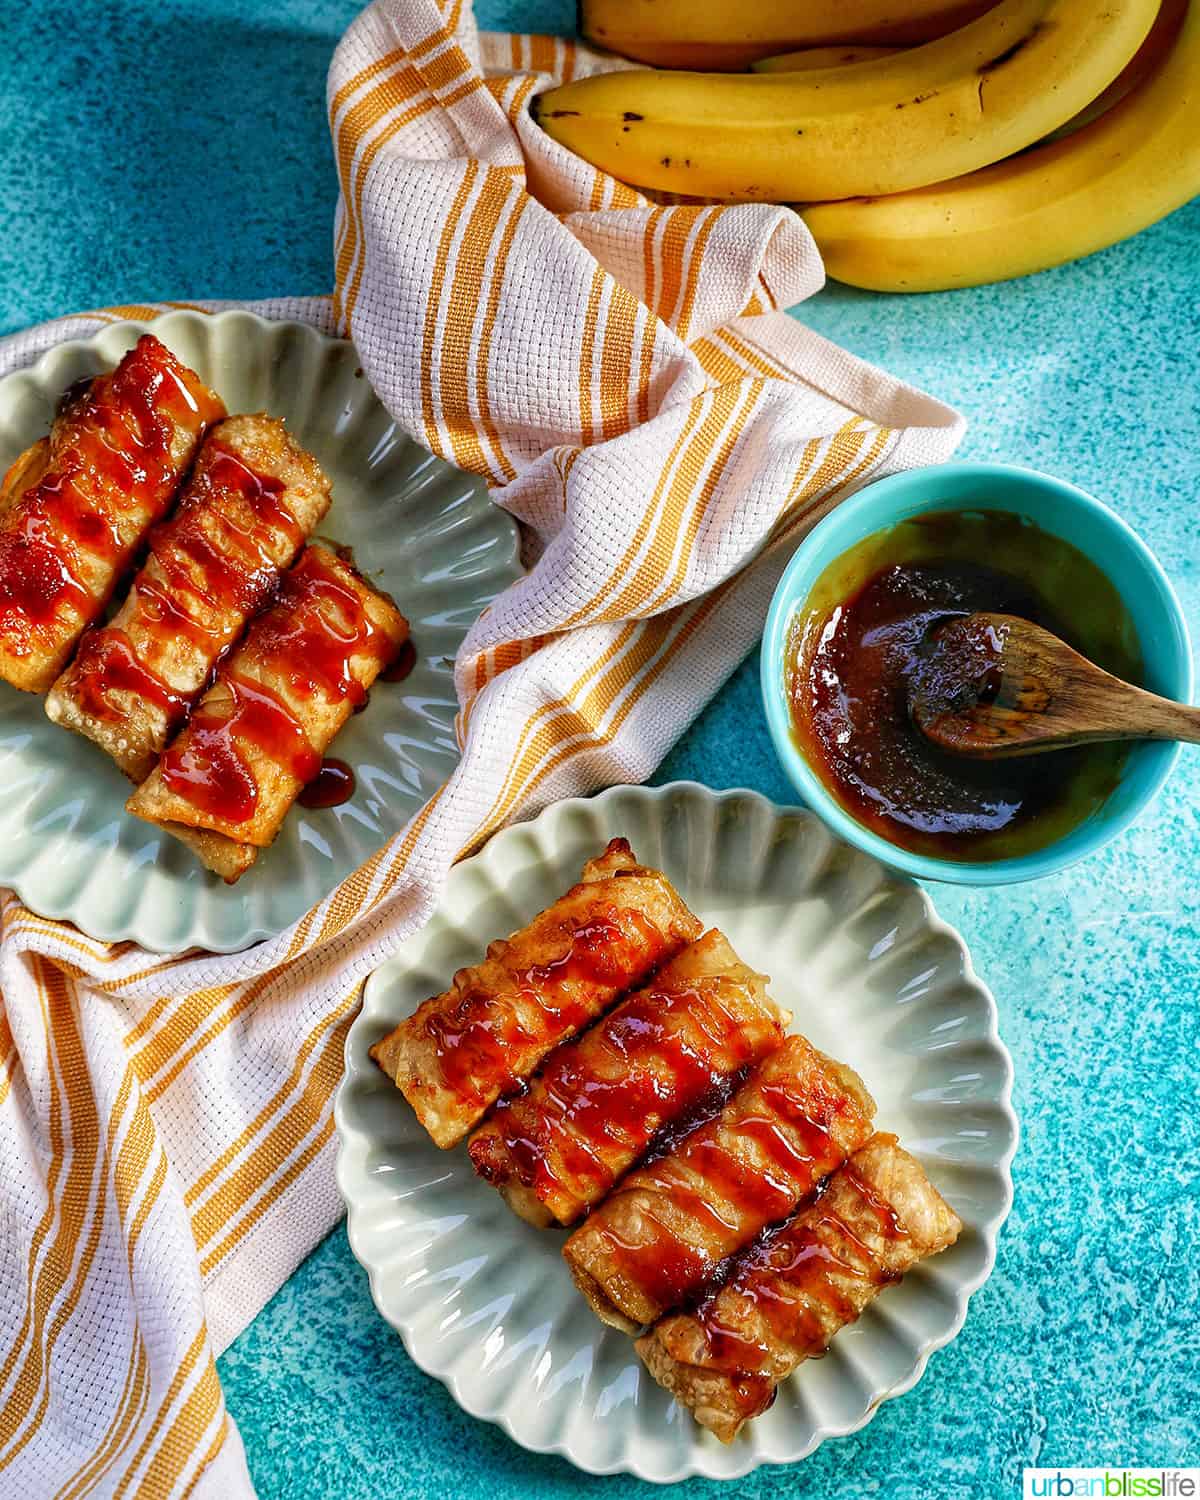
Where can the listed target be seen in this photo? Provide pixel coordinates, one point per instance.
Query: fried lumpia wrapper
(659, 1236)
(786, 1298)
(599, 1101)
(461, 1050)
(257, 736)
(24, 471)
(253, 498)
(78, 504)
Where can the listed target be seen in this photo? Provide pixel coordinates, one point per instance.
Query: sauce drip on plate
(406, 660)
(330, 787)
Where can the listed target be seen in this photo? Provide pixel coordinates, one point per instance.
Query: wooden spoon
(997, 685)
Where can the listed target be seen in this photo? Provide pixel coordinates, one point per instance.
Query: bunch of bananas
(929, 144)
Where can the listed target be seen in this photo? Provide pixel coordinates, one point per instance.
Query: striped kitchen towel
(622, 374)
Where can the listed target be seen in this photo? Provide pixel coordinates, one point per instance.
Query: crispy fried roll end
(253, 498)
(659, 1236)
(600, 1101)
(259, 733)
(461, 1050)
(76, 506)
(787, 1297)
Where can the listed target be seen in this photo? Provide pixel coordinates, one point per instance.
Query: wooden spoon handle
(1155, 718)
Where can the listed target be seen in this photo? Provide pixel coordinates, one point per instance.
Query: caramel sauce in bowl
(848, 635)
(856, 655)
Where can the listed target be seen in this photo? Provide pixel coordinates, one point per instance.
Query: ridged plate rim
(254, 338)
(354, 1142)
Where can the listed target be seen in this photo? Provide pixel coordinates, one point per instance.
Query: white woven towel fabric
(622, 373)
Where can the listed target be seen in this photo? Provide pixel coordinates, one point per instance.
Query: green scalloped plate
(423, 530)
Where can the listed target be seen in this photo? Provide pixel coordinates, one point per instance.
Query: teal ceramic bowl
(1058, 508)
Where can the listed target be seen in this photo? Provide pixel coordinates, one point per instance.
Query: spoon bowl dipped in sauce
(854, 624)
(996, 685)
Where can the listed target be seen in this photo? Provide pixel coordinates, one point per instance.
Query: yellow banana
(810, 58)
(731, 34)
(921, 116)
(1148, 57)
(1063, 199)
(1146, 60)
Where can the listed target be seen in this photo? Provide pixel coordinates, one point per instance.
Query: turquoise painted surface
(178, 149)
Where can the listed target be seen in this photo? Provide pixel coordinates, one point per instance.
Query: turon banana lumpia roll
(786, 1298)
(658, 1237)
(244, 514)
(600, 1101)
(460, 1051)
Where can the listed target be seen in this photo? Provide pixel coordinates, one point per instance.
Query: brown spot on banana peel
(988, 68)
(1010, 52)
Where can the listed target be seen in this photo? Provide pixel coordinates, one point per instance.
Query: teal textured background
(179, 149)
